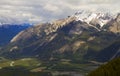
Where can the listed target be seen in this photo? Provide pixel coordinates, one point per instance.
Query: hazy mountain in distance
(8, 31)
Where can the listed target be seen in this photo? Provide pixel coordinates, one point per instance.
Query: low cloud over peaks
(37, 11)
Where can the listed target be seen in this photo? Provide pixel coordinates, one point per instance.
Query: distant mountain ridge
(8, 31)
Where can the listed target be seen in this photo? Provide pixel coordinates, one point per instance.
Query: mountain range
(84, 36)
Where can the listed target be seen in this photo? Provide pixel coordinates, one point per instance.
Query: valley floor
(36, 67)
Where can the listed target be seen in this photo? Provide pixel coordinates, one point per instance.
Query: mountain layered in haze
(84, 36)
(8, 31)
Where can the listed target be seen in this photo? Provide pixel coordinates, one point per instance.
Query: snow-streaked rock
(100, 18)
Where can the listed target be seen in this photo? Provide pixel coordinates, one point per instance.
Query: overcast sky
(37, 11)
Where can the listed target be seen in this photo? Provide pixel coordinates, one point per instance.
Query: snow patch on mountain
(87, 16)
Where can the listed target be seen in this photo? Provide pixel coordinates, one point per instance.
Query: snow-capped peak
(94, 17)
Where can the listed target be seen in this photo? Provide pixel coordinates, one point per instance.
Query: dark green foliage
(112, 68)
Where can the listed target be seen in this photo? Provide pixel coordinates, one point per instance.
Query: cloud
(52, 8)
(37, 11)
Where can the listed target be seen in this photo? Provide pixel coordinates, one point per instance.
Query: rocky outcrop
(114, 25)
